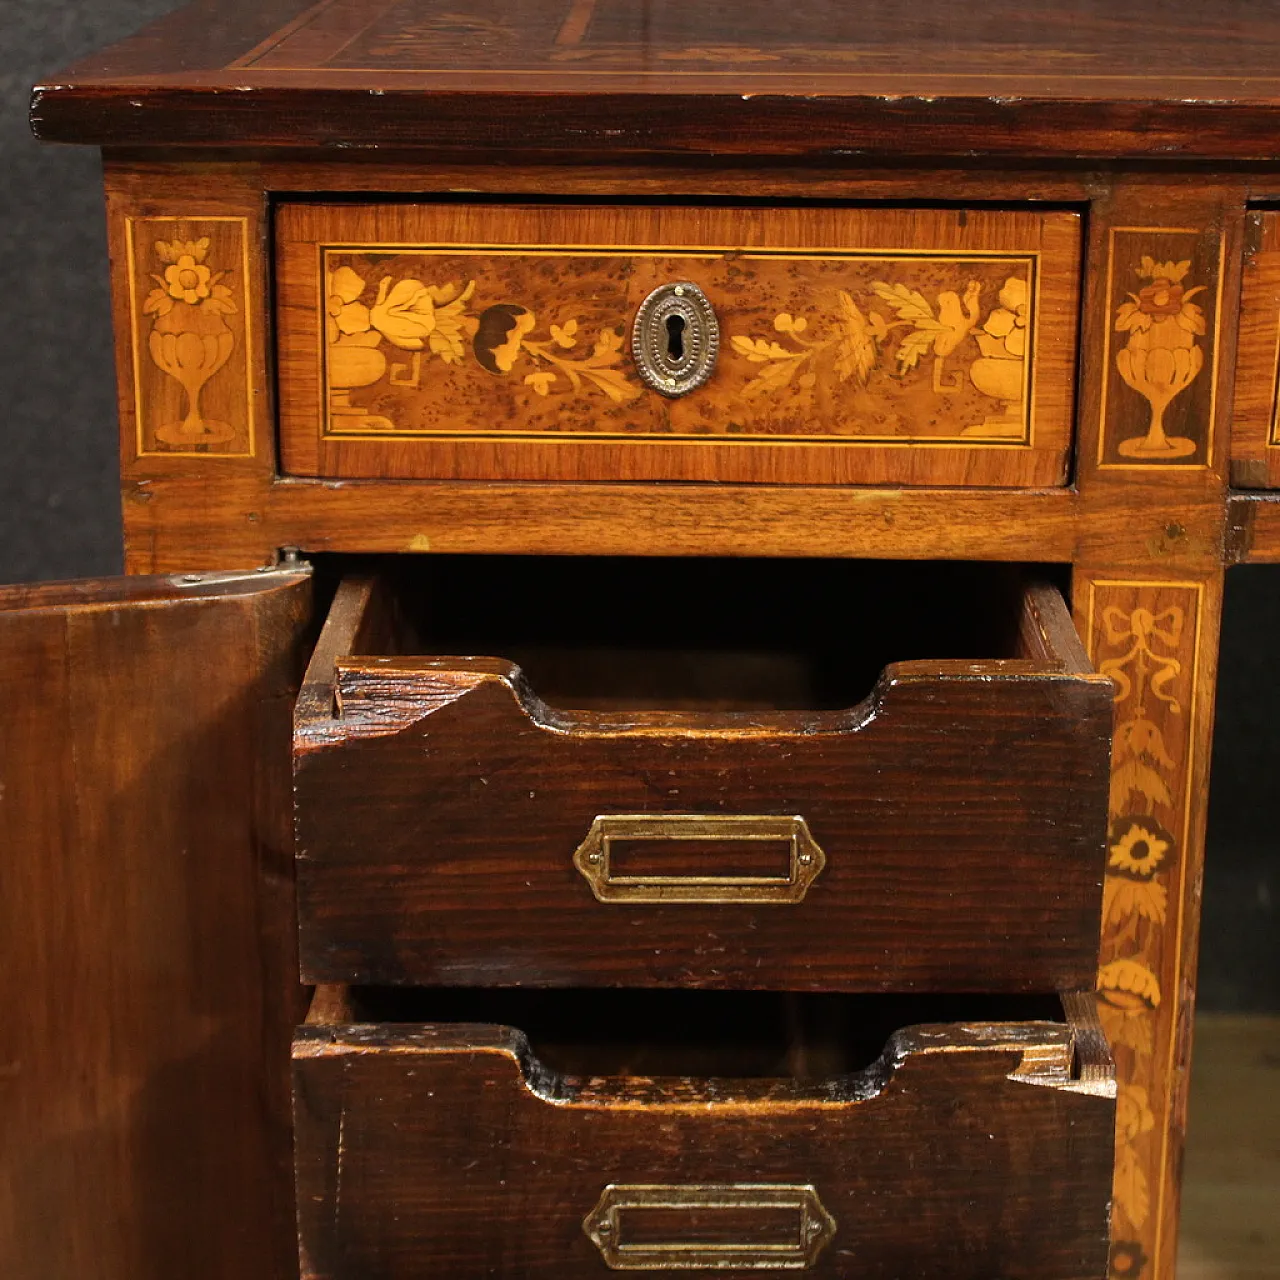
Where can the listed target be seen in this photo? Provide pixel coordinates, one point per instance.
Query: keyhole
(675, 338)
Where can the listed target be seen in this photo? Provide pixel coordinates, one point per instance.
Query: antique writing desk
(703, 359)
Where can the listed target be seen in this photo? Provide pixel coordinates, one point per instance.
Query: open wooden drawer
(763, 803)
(700, 1132)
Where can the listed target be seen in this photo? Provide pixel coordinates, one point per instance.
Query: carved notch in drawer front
(580, 1136)
(757, 804)
(855, 345)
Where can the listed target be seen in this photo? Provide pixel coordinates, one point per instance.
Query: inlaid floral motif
(435, 321)
(1141, 638)
(937, 330)
(190, 339)
(1162, 356)
(856, 342)
(506, 331)
(410, 315)
(463, 341)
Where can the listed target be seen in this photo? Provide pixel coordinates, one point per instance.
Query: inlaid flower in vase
(1001, 370)
(190, 339)
(1162, 357)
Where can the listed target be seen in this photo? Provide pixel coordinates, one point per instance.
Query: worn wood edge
(1047, 632)
(1093, 1068)
(641, 119)
(1042, 1054)
(1253, 528)
(317, 698)
(377, 697)
(139, 591)
(331, 1005)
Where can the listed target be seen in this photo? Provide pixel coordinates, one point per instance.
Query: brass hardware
(675, 339)
(597, 855)
(806, 1228)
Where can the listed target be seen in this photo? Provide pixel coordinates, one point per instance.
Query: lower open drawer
(700, 1132)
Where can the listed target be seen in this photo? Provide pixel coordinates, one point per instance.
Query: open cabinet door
(147, 948)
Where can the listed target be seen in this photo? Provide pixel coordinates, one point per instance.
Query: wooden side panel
(439, 816)
(494, 342)
(1149, 609)
(1255, 426)
(1157, 640)
(952, 1156)
(146, 946)
(189, 285)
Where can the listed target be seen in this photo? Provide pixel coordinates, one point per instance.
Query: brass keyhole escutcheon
(675, 339)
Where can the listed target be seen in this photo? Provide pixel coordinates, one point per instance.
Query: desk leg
(1158, 640)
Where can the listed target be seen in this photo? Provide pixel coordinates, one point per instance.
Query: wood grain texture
(147, 940)
(1162, 80)
(444, 802)
(1255, 434)
(475, 342)
(968, 1151)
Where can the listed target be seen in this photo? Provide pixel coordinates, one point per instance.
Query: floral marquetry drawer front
(854, 345)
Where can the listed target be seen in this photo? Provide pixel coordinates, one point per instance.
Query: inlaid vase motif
(190, 339)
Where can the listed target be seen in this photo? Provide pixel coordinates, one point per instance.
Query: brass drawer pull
(709, 858)
(717, 1228)
(676, 339)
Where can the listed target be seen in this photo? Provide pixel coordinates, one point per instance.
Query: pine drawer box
(969, 1149)
(866, 848)
(705, 386)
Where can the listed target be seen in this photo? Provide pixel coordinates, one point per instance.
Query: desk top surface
(1079, 78)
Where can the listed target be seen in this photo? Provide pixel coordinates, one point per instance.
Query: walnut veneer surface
(1145, 134)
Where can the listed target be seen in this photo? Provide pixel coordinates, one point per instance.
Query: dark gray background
(59, 513)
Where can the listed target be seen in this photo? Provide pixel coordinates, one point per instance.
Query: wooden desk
(244, 141)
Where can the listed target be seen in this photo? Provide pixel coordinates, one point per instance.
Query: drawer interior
(609, 634)
(626, 1036)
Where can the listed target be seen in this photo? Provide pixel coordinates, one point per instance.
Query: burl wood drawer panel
(965, 1150)
(946, 833)
(856, 345)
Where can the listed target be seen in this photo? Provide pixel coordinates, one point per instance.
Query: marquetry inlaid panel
(932, 346)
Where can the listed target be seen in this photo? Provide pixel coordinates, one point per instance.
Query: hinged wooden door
(146, 931)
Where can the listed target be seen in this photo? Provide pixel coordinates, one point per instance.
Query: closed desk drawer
(945, 833)
(805, 345)
(965, 1149)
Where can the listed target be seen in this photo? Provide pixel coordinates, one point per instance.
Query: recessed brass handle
(675, 339)
(707, 858)
(756, 1227)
